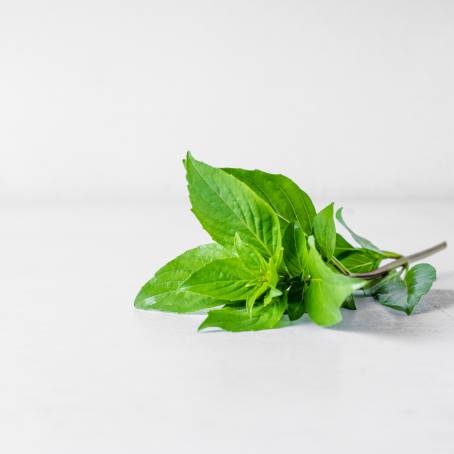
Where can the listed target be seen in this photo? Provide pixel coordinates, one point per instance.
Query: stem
(340, 266)
(403, 261)
(391, 255)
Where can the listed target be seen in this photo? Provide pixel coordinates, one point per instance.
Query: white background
(99, 100)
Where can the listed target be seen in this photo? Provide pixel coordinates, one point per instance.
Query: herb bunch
(275, 258)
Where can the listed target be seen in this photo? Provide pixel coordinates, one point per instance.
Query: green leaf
(325, 231)
(294, 242)
(349, 303)
(270, 295)
(342, 246)
(287, 199)
(404, 294)
(227, 279)
(295, 305)
(362, 260)
(233, 319)
(363, 242)
(249, 255)
(252, 298)
(419, 280)
(327, 289)
(163, 292)
(226, 206)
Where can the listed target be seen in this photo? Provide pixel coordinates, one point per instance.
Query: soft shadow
(434, 315)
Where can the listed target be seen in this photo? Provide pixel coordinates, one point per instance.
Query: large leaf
(226, 206)
(233, 319)
(227, 278)
(288, 200)
(163, 292)
(327, 289)
(363, 242)
(294, 242)
(404, 294)
(325, 231)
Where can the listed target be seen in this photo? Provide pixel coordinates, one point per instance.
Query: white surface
(101, 98)
(83, 372)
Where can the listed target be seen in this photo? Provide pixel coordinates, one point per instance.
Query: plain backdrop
(101, 99)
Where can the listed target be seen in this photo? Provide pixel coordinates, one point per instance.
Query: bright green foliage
(327, 289)
(251, 258)
(361, 260)
(234, 319)
(325, 231)
(227, 278)
(274, 258)
(226, 206)
(342, 246)
(163, 292)
(294, 243)
(289, 201)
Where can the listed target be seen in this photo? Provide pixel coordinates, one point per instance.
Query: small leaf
(225, 206)
(363, 242)
(404, 294)
(163, 292)
(252, 298)
(325, 231)
(419, 280)
(342, 246)
(287, 199)
(233, 319)
(349, 303)
(227, 279)
(327, 289)
(294, 242)
(362, 260)
(270, 295)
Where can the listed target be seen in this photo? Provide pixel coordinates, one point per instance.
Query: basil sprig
(275, 258)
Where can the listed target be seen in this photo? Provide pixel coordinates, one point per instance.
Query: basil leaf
(227, 278)
(342, 246)
(391, 292)
(295, 305)
(163, 292)
(270, 295)
(404, 294)
(287, 199)
(294, 242)
(363, 242)
(419, 280)
(233, 319)
(325, 231)
(252, 298)
(327, 289)
(249, 255)
(362, 260)
(226, 206)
